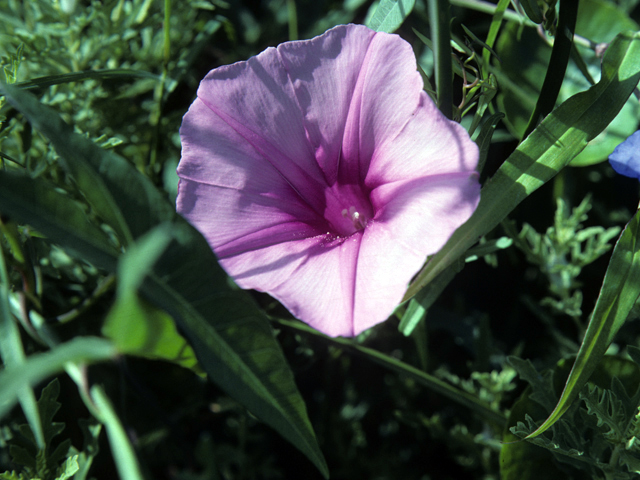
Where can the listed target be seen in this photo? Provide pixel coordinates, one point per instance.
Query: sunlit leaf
(389, 15)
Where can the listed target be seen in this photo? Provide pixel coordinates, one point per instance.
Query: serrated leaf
(551, 146)
(69, 468)
(389, 15)
(91, 431)
(607, 409)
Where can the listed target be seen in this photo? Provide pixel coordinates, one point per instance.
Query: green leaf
(115, 74)
(473, 403)
(550, 147)
(619, 293)
(389, 15)
(13, 357)
(231, 336)
(573, 440)
(69, 468)
(126, 200)
(136, 326)
(123, 454)
(91, 431)
(40, 366)
(414, 314)
(532, 10)
(56, 214)
(526, 57)
(558, 62)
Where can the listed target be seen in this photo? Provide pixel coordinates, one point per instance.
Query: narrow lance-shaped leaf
(619, 293)
(550, 147)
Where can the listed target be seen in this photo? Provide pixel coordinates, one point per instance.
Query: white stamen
(353, 215)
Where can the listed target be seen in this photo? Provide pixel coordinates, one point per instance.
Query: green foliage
(524, 64)
(596, 436)
(91, 247)
(563, 251)
(53, 462)
(388, 15)
(618, 296)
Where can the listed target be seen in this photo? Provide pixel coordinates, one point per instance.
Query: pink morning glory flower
(321, 172)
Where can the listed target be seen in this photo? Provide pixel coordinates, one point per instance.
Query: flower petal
(416, 219)
(313, 278)
(227, 189)
(356, 88)
(255, 100)
(429, 144)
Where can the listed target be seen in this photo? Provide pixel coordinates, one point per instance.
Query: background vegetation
(128, 353)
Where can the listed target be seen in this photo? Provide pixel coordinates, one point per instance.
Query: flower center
(359, 222)
(347, 210)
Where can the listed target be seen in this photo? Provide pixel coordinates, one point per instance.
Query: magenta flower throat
(321, 172)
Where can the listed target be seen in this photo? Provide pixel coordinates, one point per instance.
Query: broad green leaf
(123, 454)
(389, 15)
(550, 147)
(232, 338)
(525, 62)
(136, 326)
(230, 335)
(39, 366)
(619, 293)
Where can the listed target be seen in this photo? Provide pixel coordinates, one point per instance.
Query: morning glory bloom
(321, 172)
(625, 159)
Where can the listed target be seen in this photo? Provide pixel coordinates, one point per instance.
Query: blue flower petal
(625, 159)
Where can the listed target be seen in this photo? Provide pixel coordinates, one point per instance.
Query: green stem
(443, 388)
(439, 21)
(293, 20)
